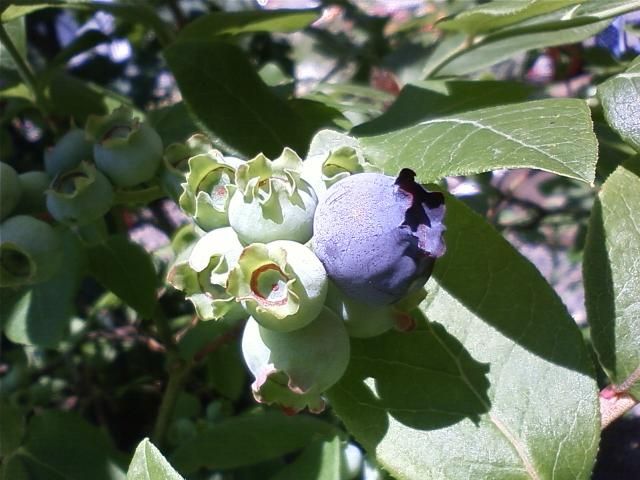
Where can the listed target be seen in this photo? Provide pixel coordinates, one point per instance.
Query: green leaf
(226, 370)
(242, 22)
(224, 92)
(321, 460)
(620, 98)
(612, 275)
(148, 463)
(126, 269)
(173, 123)
(432, 98)
(66, 446)
(40, 315)
(16, 32)
(555, 135)
(75, 98)
(500, 13)
(497, 383)
(568, 25)
(12, 427)
(249, 439)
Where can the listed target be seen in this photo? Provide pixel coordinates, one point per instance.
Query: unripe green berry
(282, 284)
(79, 196)
(68, 152)
(128, 151)
(293, 369)
(30, 251)
(10, 189)
(272, 201)
(34, 185)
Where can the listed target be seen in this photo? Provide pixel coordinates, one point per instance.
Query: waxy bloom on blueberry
(282, 284)
(30, 251)
(293, 369)
(378, 237)
(79, 196)
(208, 188)
(272, 201)
(202, 273)
(127, 150)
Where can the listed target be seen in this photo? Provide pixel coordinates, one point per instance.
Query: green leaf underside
(126, 269)
(461, 398)
(40, 315)
(620, 98)
(242, 22)
(497, 14)
(82, 452)
(226, 95)
(248, 440)
(433, 98)
(612, 275)
(148, 463)
(555, 135)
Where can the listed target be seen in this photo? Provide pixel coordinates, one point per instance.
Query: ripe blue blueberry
(378, 237)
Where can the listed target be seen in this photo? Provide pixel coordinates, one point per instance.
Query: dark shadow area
(424, 379)
(619, 454)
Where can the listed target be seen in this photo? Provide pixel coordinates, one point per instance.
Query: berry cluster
(311, 252)
(81, 176)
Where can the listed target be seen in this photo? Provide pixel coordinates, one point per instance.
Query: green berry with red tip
(282, 284)
(208, 188)
(293, 369)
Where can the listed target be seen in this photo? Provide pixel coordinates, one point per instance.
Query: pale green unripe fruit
(293, 369)
(10, 189)
(79, 196)
(128, 151)
(210, 261)
(272, 202)
(30, 251)
(72, 148)
(282, 284)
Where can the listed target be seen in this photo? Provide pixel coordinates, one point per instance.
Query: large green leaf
(500, 13)
(612, 275)
(40, 315)
(63, 445)
(620, 97)
(249, 439)
(16, 32)
(555, 135)
(432, 98)
(242, 22)
(496, 384)
(126, 269)
(148, 463)
(12, 427)
(224, 92)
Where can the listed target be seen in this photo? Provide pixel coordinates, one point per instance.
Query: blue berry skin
(378, 237)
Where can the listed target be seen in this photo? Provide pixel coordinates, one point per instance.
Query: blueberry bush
(267, 239)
